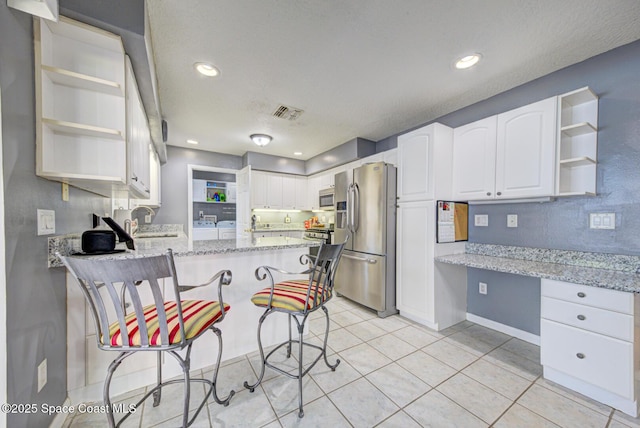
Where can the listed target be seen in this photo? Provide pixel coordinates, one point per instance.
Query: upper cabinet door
(414, 162)
(525, 151)
(474, 160)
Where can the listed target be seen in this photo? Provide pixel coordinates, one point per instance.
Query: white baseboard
(502, 328)
(58, 421)
(419, 319)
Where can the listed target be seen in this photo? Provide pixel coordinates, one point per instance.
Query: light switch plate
(512, 220)
(481, 220)
(46, 222)
(602, 220)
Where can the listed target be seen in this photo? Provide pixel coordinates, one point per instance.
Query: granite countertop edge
(590, 276)
(179, 246)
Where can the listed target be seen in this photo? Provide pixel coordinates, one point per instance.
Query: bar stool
(169, 326)
(298, 298)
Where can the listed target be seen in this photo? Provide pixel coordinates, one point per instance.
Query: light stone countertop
(616, 272)
(147, 247)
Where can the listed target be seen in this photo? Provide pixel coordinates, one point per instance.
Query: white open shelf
(70, 78)
(581, 161)
(577, 143)
(578, 129)
(62, 127)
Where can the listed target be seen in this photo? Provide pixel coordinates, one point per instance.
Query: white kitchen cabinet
(80, 106)
(588, 342)
(138, 138)
(577, 143)
(258, 189)
(424, 163)
(391, 156)
(288, 192)
(274, 191)
(508, 156)
(199, 188)
(474, 160)
(155, 183)
(302, 193)
(433, 294)
(313, 195)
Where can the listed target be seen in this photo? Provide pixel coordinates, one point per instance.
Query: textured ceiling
(358, 68)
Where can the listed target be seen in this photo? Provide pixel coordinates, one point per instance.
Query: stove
(319, 234)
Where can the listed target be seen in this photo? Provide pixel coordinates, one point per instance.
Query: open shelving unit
(577, 143)
(80, 106)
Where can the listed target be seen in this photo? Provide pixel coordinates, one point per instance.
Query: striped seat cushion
(290, 295)
(198, 315)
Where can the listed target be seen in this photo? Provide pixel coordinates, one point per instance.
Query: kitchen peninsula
(195, 263)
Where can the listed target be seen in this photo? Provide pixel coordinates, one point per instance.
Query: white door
(474, 160)
(414, 256)
(525, 154)
(414, 156)
(243, 203)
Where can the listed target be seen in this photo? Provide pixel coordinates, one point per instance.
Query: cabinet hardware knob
(134, 178)
(488, 193)
(581, 294)
(580, 355)
(499, 193)
(582, 317)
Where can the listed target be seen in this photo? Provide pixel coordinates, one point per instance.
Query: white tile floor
(393, 373)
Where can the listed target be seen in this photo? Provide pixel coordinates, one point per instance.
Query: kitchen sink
(156, 235)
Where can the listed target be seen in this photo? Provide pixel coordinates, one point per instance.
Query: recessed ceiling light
(206, 69)
(192, 142)
(297, 153)
(467, 61)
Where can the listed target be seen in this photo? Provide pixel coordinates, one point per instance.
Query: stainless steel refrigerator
(365, 202)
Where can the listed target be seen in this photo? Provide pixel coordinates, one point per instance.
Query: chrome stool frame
(316, 294)
(94, 274)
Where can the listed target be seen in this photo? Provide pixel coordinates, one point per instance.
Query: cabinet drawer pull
(581, 295)
(580, 355)
(488, 193)
(582, 317)
(499, 193)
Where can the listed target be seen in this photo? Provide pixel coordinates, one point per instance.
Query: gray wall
(513, 300)
(174, 180)
(36, 295)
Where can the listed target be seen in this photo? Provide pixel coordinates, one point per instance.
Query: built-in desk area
(590, 315)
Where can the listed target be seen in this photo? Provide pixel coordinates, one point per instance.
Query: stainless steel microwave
(326, 198)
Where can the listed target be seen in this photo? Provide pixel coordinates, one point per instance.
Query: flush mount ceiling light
(206, 69)
(192, 142)
(467, 61)
(261, 139)
(297, 153)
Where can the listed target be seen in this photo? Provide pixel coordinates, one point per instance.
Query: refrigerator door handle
(362, 259)
(356, 208)
(348, 213)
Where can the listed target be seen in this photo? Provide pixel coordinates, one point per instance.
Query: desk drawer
(612, 300)
(599, 360)
(597, 320)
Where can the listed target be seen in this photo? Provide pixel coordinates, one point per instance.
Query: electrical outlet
(258, 218)
(512, 220)
(42, 374)
(200, 214)
(602, 220)
(482, 287)
(287, 219)
(147, 218)
(481, 220)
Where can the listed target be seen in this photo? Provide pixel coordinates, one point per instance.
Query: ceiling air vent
(287, 113)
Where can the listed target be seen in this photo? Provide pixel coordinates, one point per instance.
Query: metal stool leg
(252, 388)
(289, 345)
(324, 346)
(107, 382)
(301, 347)
(224, 401)
(157, 395)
